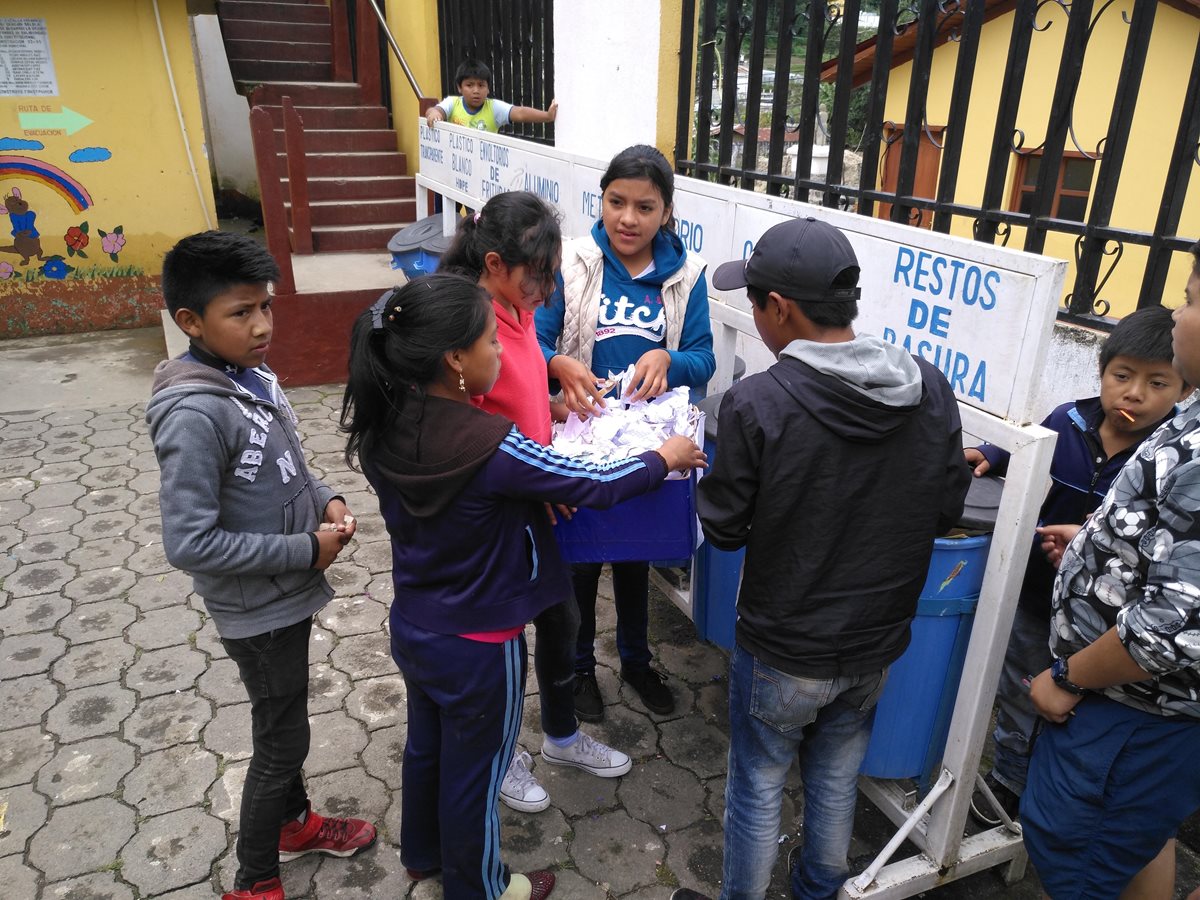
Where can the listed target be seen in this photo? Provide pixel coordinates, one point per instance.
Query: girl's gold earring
(462, 383)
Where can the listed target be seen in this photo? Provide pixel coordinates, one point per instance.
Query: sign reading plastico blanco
(982, 314)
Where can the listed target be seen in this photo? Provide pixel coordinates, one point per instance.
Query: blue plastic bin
(405, 245)
(432, 250)
(657, 525)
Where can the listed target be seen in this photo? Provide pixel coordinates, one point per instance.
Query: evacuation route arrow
(68, 120)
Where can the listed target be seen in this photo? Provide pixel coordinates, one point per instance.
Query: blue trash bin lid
(983, 502)
(410, 237)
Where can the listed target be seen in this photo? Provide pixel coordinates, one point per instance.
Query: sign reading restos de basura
(981, 314)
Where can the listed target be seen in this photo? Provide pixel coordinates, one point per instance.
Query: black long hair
(641, 161)
(517, 225)
(397, 349)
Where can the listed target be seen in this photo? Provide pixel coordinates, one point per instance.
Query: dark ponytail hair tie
(379, 306)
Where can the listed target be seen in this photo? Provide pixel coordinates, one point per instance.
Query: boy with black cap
(835, 469)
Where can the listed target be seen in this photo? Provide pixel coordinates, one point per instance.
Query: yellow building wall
(102, 166)
(1155, 122)
(414, 24)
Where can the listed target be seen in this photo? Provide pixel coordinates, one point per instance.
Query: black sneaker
(655, 695)
(589, 705)
(687, 894)
(982, 811)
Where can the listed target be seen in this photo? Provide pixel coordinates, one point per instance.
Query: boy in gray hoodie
(242, 514)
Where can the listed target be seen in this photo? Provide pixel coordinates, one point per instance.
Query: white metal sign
(981, 314)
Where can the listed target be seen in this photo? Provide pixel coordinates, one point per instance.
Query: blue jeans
(773, 717)
(274, 668)
(1028, 654)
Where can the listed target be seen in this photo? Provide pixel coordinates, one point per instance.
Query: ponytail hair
(397, 348)
(517, 225)
(645, 163)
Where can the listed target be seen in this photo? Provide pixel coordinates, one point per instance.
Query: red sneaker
(271, 889)
(543, 884)
(318, 834)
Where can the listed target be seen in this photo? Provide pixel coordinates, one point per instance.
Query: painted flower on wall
(6, 270)
(56, 267)
(76, 239)
(111, 242)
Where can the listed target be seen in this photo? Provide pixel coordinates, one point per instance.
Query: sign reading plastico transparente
(981, 314)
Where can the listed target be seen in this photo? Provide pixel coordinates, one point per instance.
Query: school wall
(1160, 99)
(99, 155)
(227, 115)
(414, 25)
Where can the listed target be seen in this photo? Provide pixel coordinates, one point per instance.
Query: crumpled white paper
(626, 429)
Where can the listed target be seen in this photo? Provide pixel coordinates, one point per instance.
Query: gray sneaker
(521, 790)
(588, 754)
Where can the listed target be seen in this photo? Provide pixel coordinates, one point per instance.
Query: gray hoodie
(873, 367)
(238, 503)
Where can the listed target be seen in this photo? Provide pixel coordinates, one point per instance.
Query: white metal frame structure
(468, 166)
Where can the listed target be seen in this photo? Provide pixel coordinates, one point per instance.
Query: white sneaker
(588, 754)
(521, 790)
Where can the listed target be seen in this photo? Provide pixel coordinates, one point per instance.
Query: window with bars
(1071, 189)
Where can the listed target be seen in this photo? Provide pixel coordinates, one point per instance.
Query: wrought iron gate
(728, 144)
(515, 39)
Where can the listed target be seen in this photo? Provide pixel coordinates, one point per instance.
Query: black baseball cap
(801, 259)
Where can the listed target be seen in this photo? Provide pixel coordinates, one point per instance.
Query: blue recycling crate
(660, 525)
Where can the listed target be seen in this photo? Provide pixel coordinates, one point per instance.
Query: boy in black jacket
(835, 468)
(1138, 391)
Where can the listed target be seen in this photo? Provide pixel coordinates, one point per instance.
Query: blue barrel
(432, 250)
(405, 245)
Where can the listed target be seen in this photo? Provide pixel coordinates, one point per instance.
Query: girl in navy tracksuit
(462, 493)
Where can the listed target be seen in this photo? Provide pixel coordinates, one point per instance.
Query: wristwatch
(1062, 676)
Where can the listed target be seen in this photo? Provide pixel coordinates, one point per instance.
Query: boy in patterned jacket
(1113, 773)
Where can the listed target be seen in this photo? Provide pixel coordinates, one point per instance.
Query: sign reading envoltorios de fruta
(981, 314)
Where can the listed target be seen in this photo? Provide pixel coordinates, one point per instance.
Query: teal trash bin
(718, 572)
(406, 245)
(912, 719)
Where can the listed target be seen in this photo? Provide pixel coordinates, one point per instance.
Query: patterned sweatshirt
(1136, 565)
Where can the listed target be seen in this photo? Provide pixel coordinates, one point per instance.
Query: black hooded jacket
(837, 496)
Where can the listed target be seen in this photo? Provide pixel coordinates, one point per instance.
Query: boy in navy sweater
(242, 514)
(1138, 391)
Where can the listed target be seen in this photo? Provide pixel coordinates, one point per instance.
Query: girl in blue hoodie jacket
(462, 493)
(629, 294)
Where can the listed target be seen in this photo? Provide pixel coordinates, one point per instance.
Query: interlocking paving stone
(165, 671)
(114, 437)
(145, 506)
(28, 654)
(17, 465)
(14, 489)
(33, 614)
(147, 530)
(82, 838)
(95, 663)
(320, 645)
(172, 850)
(100, 886)
(157, 591)
(662, 795)
(229, 731)
(171, 779)
(161, 722)
(115, 419)
(38, 578)
(220, 683)
(100, 554)
(106, 500)
(144, 461)
(12, 508)
(364, 656)
(63, 452)
(107, 457)
(110, 477)
(347, 579)
(617, 851)
(531, 842)
(208, 641)
(143, 482)
(25, 700)
(98, 621)
(72, 470)
(335, 744)
(90, 711)
(378, 702)
(353, 613)
(383, 757)
(350, 792)
(62, 493)
(694, 857)
(167, 627)
(85, 769)
(24, 812)
(571, 790)
(41, 547)
(103, 526)
(712, 702)
(376, 558)
(18, 447)
(19, 879)
(701, 749)
(375, 873)
(149, 559)
(22, 752)
(103, 584)
(24, 429)
(49, 521)
(226, 794)
(327, 688)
